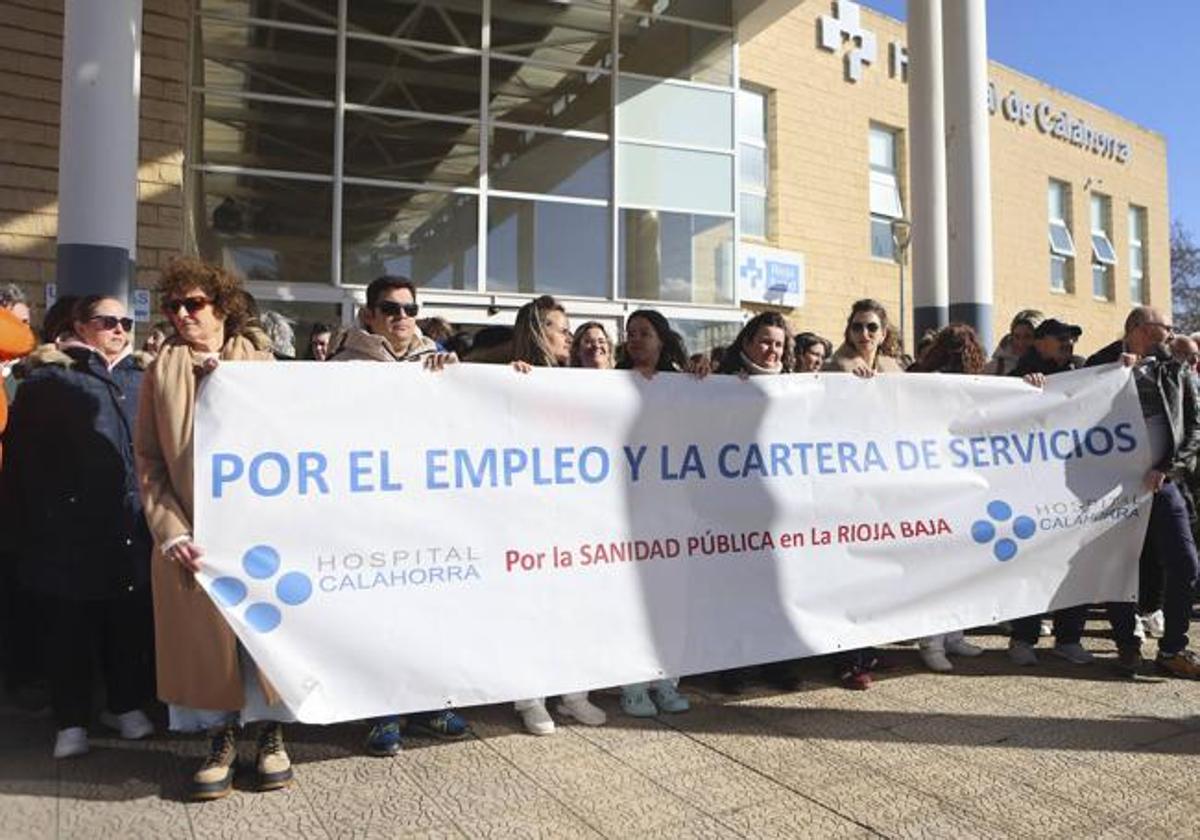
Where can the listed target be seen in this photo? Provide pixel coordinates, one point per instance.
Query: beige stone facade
(30, 92)
(818, 126)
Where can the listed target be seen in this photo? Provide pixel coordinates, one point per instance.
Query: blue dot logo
(262, 563)
(985, 531)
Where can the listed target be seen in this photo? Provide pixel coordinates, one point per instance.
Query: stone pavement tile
(522, 748)
(949, 729)
(369, 795)
(28, 790)
(544, 819)
(620, 813)
(122, 789)
(720, 788)
(878, 751)
(872, 799)
(596, 772)
(817, 722)
(946, 823)
(245, 813)
(678, 754)
(703, 828)
(1100, 792)
(792, 816)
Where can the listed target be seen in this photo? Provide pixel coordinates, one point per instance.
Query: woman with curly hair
(869, 343)
(204, 675)
(955, 349)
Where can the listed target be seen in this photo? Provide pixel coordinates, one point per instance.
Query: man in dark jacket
(1053, 351)
(1167, 395)
(75, 514)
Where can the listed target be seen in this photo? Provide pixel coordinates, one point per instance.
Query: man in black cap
(1167, 395)
(1053, 351)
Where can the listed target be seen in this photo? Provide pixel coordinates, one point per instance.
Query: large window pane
(535, 95)
(675, 257)
(556, 32)
(540, 247)
(653, 46)
(703, 336)
(752, 116)
(754, 214)
(1058, 273)
(676, 178)
(453, 24)
(882, 244)
(309, 12)
(260, 59)
(429, 237)
(411, 149)
(270, 229)
(882, 150)
(526, 161)
(412, 78)
(705, 11)
(266, 135)
(672, 113)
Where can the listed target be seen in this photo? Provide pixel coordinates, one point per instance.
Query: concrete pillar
(98, 147)
(968, 162)
(927, 167)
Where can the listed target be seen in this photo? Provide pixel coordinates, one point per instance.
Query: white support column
(927, 167)
(968, 162)
(98, 147)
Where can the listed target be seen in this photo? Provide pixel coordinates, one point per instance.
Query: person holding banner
(1167, 394)
(592, 347)
(651, 346)
(811, 352)
(204, 674)
(869, 344)
(868, 348)
(1016, 344)
(955, 349)
(389, 333)
(542, 338)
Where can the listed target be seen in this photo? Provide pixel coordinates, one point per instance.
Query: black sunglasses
(392, 309)
(191, 304)
(111, 322)
(870, 326)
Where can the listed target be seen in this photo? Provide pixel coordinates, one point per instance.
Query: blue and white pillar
(968, 164)
(98, 147)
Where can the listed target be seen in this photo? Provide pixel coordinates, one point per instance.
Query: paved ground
(1056, 751)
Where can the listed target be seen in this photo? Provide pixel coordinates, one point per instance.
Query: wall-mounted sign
(770, 275)
(845, 26)
(141, 305)
(1059, 123)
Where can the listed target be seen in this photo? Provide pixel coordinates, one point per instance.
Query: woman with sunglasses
(869, 344)
(542, 338)
(203, 673)
(869, 347)
(83, 547)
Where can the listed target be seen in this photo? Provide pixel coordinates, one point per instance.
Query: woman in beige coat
(869, 344)
(201, 668)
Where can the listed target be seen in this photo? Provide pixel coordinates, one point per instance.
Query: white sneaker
(71, 742)
(535, 717)
(133, 726)
(1156, 624)
(935, 659)
(1046, 628)
(1021, 653)
(1073, 652)
(577, 706)
(961, 647)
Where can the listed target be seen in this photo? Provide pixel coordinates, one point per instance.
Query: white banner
(383, 539)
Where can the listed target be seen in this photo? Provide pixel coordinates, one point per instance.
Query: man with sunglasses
(389, 331)
(76, 514)
(1167, 394)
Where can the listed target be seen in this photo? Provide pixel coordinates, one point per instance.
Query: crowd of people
(100, 556)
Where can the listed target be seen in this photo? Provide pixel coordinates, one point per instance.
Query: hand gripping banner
(383, 539)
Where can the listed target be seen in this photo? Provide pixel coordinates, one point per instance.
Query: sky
(1134, 57)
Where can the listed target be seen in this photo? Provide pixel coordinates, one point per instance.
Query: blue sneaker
(636, 702)
(384, 739)
(668, 699)
(445, 725)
